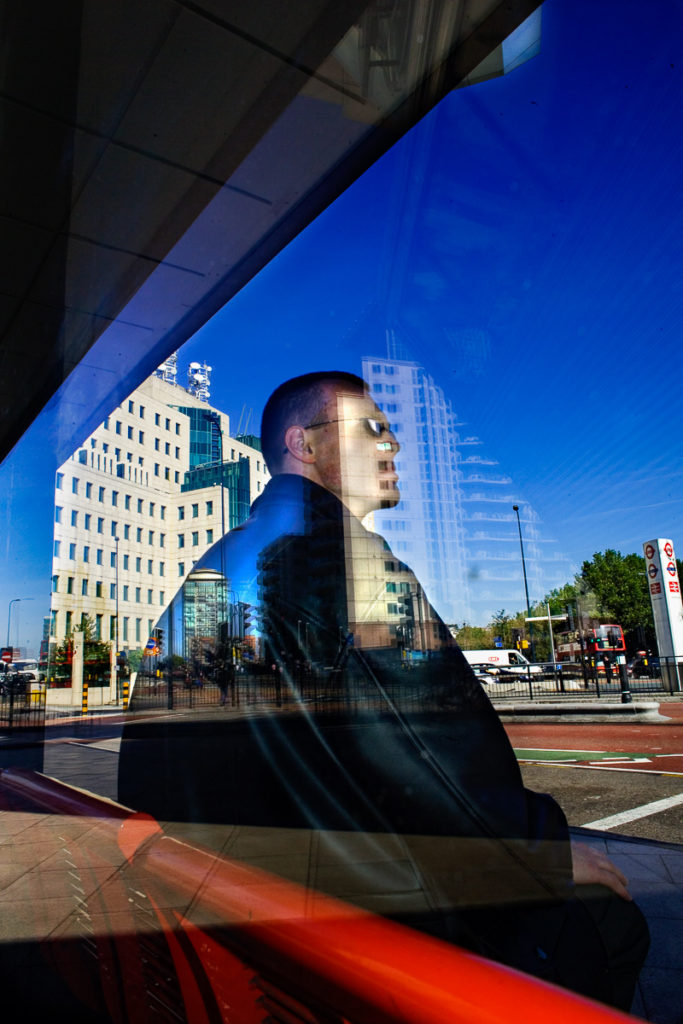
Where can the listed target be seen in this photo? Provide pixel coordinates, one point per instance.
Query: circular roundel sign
(671, 568)
(652, 571)
(669, 549)
(649, 551)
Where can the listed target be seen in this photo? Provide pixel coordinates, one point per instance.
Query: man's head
(325, 426)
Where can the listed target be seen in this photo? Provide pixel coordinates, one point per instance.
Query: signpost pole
(667, 610)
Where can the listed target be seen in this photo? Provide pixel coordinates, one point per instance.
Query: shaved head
(299, 402)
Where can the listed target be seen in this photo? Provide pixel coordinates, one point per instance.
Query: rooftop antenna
(199, 381)
(169, 369)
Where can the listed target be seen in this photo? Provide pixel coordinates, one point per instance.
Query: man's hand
(591, 867)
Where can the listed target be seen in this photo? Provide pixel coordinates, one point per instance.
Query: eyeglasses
(374, 427)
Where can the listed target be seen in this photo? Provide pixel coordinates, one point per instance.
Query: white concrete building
(138, 504)
(455, 525)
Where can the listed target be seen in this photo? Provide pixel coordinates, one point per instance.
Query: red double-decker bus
(605, 638)
(598, 642)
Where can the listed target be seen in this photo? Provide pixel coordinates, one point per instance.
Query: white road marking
(631, 760)
(558, 750)
(636, 812)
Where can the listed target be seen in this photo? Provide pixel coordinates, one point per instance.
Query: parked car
(644, 665)
(487, 674)
(29, 668)
(13, 682)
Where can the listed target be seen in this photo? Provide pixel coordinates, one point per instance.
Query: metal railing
(22, 703)
(245, 946)
(323, 690)
(575, 681)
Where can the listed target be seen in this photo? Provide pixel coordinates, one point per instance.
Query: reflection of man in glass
(387, 757)
(330, 449)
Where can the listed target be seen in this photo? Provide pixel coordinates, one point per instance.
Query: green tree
(619, 583)
(475, 638)
(135, 660)
(94, 651)
(501, 624)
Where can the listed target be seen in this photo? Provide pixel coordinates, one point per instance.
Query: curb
(641, 711)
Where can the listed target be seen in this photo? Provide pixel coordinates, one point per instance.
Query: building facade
(455, 524)
(426, 528)
(138, 504)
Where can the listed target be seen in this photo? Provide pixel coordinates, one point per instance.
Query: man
(378, 748)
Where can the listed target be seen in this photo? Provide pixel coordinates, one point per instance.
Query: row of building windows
(99, 552)
(195, 538)
(127, 503)
(141, 414)
(87, 524)
(71, 582)
(124, 469)
(86, 553)
(129, 632)
(195, 509)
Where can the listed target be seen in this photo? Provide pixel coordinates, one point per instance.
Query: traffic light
(159, 638)
(246, 617)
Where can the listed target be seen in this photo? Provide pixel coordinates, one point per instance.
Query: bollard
(125, 691)
(626, 695)
(84, 697)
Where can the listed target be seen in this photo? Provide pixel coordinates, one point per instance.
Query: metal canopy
(156, 155)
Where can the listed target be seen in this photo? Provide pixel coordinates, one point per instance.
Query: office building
(139, 503)
(455, 525)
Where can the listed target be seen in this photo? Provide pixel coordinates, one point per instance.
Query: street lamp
(116, 625)
(221, 483)
(9, 613)
(526, 586)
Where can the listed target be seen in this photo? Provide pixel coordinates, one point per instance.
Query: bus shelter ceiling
(157, 155)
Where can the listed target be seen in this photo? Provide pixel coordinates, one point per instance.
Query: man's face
(354, 451)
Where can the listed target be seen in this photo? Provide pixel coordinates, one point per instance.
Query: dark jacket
(383, 748)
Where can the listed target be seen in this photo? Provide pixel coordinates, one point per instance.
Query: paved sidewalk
(655, 873)
(55, 870)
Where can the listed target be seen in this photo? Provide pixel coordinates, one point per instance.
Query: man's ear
(298, 445)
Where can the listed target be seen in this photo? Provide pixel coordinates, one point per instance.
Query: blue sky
(525, 241)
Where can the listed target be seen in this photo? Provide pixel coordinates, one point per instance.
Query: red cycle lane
(656, 747)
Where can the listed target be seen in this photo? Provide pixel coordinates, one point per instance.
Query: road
(621, 778)
(595, 771)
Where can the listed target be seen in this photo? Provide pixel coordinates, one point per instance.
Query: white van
(28, 667)
(508, 659)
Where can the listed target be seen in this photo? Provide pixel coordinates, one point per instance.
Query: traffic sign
(650, 551)
(669, 549)
(652, 571)
(671, 568)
